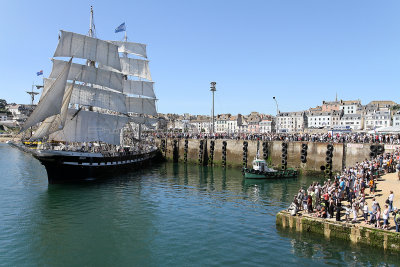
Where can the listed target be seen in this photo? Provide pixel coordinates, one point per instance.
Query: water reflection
(170, 214)
(336, 251)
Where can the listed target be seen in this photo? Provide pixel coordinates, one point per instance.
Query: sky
(300, 51)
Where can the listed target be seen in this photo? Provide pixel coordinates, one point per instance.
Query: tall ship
(92, 108)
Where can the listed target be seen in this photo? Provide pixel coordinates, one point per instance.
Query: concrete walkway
(384, 184)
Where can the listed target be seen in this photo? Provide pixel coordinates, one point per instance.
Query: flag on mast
(39, 73)
(120, 28)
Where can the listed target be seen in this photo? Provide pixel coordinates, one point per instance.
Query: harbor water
(166, 215)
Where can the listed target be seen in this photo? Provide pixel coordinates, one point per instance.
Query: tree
(3, 104)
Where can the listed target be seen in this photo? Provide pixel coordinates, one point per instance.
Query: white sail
(90, 96)
(87, 126)
(55, 122)
(89, 74)
(51, 102)
(133, 67)
(82, 46)
(139, 88)
(47, 83)
(44, 128)
(131, 48)
(141, 105)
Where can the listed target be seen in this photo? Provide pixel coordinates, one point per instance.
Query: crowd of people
(352, 194)
(340, 137)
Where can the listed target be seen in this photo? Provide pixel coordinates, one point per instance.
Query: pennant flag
(39, 73)
(120, 28)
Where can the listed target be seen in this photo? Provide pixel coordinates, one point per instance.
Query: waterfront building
(290, 122)
(200, 125)
(349, 106)
(20, 112)
(266, 125)
(242, 124)
(3, 116)
(329, 106)
(232, 124)
(253, 123)
(324, 120)
(377, 119)
(221, 123)
(396, 119)
(353, 121)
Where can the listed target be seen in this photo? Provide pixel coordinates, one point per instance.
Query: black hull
(68, 169)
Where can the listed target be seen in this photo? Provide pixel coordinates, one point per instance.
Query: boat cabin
(260, 165)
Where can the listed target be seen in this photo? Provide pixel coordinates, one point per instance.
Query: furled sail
(82, 46)
(141, 105)
(133, 67)
(89, 74)
(131, 48)
(87, 126)
(51, 102)
(139, 88)
(90, 96)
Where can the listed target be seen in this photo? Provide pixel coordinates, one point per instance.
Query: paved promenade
(385, 184)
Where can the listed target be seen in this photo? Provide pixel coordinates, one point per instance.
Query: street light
(277, 112)
(212, 90)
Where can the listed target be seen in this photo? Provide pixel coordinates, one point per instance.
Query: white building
(242, 124)
(350, 106)
(200, 126)
(265, 126)
(325, 120)
(291, 122)
(377, 119)
(354, 121)
(3, 116)
(396, 119)
(221, 123)
(232, 124)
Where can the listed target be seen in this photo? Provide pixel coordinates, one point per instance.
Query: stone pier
(343, 154)
(387, 240)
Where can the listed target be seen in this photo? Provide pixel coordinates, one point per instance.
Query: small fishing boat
(261, 170)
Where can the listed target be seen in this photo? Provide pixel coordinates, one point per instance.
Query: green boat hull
(250, 174)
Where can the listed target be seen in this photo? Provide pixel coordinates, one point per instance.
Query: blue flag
(39, 73)
(120, 28)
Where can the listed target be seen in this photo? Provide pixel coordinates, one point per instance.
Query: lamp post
(277, 112)
(212, 90)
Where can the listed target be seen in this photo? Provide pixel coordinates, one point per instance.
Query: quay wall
(387, 240)
(343, 154)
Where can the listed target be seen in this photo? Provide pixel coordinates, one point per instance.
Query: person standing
(391, 197)
(354, 210)
(397, 219)
(386, 217)
(365, 210)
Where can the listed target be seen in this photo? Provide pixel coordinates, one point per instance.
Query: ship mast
(91, 33)
(91, 26)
